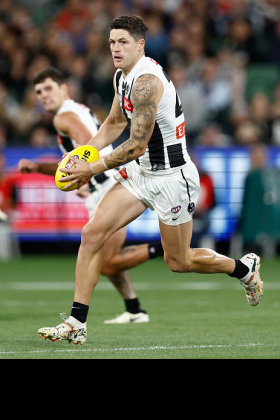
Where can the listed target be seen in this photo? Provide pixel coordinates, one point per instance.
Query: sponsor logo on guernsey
(127, 105)
(180, 130)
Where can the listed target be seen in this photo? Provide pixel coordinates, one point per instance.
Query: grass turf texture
(192, 316)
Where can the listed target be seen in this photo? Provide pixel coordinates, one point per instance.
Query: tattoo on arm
(145, 97)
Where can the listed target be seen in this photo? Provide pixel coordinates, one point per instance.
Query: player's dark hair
(132, 24)
(49, 72)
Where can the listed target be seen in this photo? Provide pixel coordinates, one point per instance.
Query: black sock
(155, 250)
(240, 271)
(133, 306)
(80, 311)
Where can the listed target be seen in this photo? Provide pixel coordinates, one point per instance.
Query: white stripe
(106, 286)
(135, 348)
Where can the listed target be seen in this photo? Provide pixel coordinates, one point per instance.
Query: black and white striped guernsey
(167, 150)
(67, 144)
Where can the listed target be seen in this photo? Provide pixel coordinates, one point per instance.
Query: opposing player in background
(75, 124)
(159, 175)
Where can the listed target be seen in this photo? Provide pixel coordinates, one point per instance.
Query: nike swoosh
(175, 218)
(254, 265)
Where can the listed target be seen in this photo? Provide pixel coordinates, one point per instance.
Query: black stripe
(91, 187)
(186, 184)
(67, 143)
(156, 150)
(118, 76)
(178, 107)
(100, 178)
(123, 108)
(175, 155)
(167, 77)
(95, 119)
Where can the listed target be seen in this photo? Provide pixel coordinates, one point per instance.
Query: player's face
(125, 50)
(50, 94)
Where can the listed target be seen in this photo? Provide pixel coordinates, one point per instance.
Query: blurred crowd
(222, 55)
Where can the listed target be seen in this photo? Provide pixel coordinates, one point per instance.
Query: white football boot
(71, 329)
(127, 318)
(252, 282)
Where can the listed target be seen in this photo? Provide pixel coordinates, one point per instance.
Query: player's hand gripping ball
(86, 153)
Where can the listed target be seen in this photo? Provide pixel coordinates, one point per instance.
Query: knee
(91, 237)
(178, 265)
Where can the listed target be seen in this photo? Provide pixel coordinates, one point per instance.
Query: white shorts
(173, 196)
(94, 197)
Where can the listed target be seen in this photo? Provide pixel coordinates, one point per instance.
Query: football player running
(159, 175)
(76, 125)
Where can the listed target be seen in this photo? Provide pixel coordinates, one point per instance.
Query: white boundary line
(106, 286)
(132, 349)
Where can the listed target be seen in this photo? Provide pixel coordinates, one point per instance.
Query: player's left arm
(146, 94)
(70, 124)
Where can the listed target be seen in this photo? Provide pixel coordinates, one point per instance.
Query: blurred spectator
(40, 137)
(248, 133)
(17, 81)
(275, 114)
(274, 45)
(241, 39)
(28, 115)
(259, 223)
(156, 39)
(217, 90)
(212, 136)
(99, 56)
(269, 8)
(260, 114)
(177, 51)
(239, 106)
(9, 108)
(192, 99)
(3, 136)
(73, 10)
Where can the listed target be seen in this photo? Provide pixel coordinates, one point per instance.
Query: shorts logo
(191, 207)
(180, 130)
(127, 104)
(123, 173)
(176, 209)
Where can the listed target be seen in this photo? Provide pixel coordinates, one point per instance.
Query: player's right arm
(112, 127)
(46, 168)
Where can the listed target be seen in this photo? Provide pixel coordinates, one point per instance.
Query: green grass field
(192, 316)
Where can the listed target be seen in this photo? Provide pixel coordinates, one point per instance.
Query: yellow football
(87, 153)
